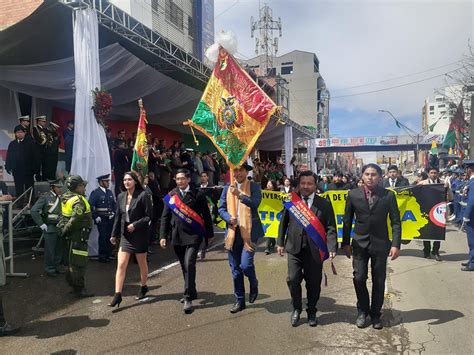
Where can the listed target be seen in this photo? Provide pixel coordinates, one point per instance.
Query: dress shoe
(312, 322)
(377, 323)
(362, 320)
(142, 292)
(83, 293)
(427, 256)
(253, 295)
(7, 330)
(116, 300)
(436, 257)
(467, 268)
(188, 307)
(295, 317)
(237, 307)
(465, 264)
(267, 252)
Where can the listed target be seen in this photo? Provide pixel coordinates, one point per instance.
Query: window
(439, 99)
(316, 65)
(287, 63)
(174, 14)
(442, 112)
(190, 27)
(272, 72)
(431, 108)
(443, 105)
(286, 70)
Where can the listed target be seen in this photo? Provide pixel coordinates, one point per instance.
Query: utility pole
(266, 46)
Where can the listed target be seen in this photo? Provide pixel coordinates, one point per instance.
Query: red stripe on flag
(253, 99)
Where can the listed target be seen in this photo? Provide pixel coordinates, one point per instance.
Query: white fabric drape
(288, 150)
(90, 156)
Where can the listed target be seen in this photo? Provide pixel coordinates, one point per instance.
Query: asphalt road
(428, 309)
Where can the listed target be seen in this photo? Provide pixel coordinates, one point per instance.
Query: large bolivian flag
(140, 150)
(233, 110)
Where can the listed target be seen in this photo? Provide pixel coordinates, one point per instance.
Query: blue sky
(360, 42)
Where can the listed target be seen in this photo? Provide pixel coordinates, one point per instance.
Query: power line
(398, 77)
(394, 87)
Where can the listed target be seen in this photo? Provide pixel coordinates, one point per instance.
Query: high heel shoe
(142, 292)
(116, 300)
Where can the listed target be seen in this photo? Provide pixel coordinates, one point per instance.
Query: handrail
(10, 257)
(30, 190)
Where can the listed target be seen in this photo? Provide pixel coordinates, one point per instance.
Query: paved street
(428, 309)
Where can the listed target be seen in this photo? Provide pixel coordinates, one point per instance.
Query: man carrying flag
(308, 233)
(140, 149)
(232, 113)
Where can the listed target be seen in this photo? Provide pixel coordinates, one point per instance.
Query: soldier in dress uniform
(75, 225)
(47, 141)
(103, 207)
(25, 122)
(45, 212)
(468, 218)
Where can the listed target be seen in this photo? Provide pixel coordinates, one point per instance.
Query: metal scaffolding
(118, 21)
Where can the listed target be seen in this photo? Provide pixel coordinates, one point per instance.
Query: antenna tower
(266, 46)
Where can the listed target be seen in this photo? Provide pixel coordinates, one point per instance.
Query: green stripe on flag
(228, 143)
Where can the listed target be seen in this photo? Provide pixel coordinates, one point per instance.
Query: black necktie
(306, 199)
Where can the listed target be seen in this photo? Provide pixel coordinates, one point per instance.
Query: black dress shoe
(437, 257)
(267, 252)
(465, 264)
(7, 330)
(188, 307)
(467, 268)
(237, 307)
(362, 320)
(377, 323)
(295, 317)
(253, 295)
(427, 256)
(83, 293)
(312, 322)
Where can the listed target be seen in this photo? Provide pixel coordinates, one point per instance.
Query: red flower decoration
(102, 105)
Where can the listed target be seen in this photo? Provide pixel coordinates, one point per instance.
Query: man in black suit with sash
(304, 259)
(185, 237)
(371, 204)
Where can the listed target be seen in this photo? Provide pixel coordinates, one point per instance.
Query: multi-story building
(437, 115)
(309, 97)
(187, 23)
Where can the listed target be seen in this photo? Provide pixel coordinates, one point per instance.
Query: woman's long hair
(136, 178)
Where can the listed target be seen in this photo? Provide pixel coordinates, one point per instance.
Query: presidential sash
(310, 223)
(185, 213)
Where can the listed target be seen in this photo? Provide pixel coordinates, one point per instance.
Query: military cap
(56, 183)
(24, 118)
(103, 177)
(74, 181)
(40, 118)
(246, 167)
(20, 128)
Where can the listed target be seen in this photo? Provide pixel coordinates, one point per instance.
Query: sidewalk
(420, 292)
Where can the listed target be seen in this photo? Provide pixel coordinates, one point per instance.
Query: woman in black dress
(134, 212)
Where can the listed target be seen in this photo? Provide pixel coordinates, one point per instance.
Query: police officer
(463, 188)
(75, 225)
(468, 219)
(456, 186)
(103, 205)
(45, 213)
(25, 122)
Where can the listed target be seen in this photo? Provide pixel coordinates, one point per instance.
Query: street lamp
(410, 132)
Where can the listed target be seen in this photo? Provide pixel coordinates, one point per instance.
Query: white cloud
(363, 41)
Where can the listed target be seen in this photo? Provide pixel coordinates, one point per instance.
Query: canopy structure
(36, 58)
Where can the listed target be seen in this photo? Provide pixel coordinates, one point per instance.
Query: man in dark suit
(243, 228)
(186, 238)
(371, 204)
(394, 180)
(19, 161)
(304, 260)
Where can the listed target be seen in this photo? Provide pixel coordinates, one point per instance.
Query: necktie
(370, 198)
(392, 182)
(306, 200)
(183, 193)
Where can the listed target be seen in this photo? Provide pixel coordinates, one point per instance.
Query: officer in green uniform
(75, 225)
(45, 213)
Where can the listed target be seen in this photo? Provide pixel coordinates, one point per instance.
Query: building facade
(12, 11)
(308, 95)
(187, 23)
(436, 115)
